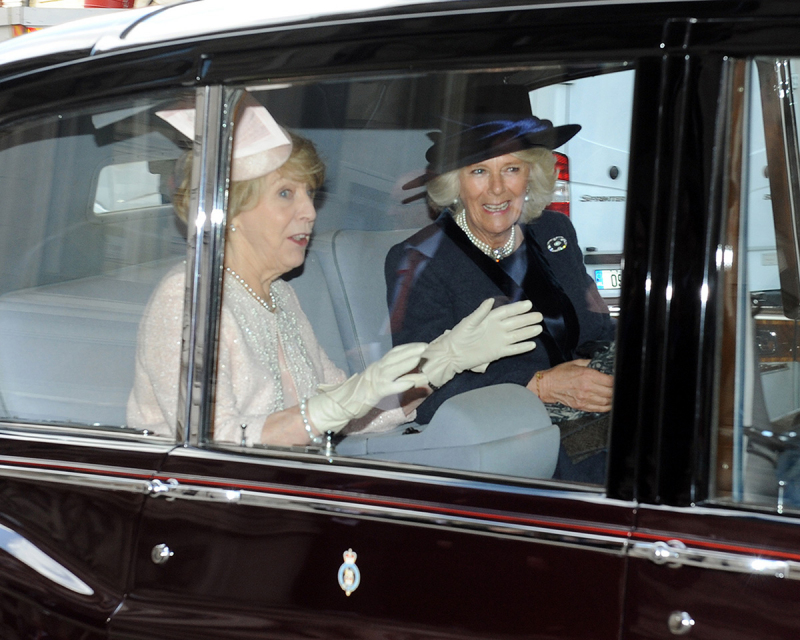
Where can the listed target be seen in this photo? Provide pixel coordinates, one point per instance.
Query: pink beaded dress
(267, 362)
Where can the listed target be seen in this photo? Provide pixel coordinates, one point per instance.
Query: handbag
(585, 433)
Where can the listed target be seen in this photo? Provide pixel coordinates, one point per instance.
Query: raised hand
(481, 338)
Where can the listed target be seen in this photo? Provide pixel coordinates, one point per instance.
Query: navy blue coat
(450, 279)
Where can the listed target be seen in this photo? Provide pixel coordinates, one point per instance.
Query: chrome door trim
(87, 476)
(610, 539)
(212, 148)
(572, 534)
(563, 533)
(613, 540)
(675, 554)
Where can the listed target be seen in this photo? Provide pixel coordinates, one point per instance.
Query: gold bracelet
(539, 376)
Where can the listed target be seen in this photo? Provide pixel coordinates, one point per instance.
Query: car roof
(192, 19)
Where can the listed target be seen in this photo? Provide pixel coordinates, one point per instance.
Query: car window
(387, 266)
(757, 447)
(74, 282)
(129, 186)
(595, 192)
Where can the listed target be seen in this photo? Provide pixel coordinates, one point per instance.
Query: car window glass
(74, 283)
(757, 447)
(386, 266)
(127, 186)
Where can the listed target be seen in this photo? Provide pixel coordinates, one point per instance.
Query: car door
(375, 538)
(86, 234)
(714, 551)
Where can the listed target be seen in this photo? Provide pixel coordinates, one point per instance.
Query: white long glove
(335, 405)
(481, 338)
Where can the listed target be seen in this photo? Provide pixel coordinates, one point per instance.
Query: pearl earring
(232, 228)
(527, 197)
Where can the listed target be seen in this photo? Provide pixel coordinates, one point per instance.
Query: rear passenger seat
(67, 350)
(67, 353)
(352, 266)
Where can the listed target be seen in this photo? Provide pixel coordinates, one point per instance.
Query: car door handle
(675, 553)
(158, 488)
(171, 489)
(660, 552)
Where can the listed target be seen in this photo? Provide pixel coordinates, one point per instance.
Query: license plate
(608, 278)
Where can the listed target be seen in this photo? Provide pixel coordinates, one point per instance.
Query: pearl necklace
(270, 306)
(495, 254)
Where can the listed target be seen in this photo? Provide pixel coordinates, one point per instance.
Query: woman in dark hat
(491, 183)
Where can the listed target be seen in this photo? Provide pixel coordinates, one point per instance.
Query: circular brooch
(559, 243)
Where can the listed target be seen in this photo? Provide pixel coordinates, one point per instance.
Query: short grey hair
(443, 190)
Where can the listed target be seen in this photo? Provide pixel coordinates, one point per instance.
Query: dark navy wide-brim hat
(468, 144)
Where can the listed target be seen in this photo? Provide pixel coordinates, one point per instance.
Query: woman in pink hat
(275, 384)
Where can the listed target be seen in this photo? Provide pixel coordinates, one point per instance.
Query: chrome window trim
(85, 437)
(722, 509)
(311, 460)
(402, 472)
(213, 143)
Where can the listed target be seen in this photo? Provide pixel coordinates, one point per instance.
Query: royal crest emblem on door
(349, 575)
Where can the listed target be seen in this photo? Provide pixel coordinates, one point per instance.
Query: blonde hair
(443, 190)
(304, 165)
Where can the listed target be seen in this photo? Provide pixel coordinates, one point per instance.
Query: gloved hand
(481, 338)
(335, 405)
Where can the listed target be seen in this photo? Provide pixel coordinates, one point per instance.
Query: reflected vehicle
(682, 186)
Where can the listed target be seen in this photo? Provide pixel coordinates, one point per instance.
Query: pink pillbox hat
(260, 145)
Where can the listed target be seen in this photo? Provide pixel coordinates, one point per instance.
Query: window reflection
(373, 136)
(88, 231)
(757, 452)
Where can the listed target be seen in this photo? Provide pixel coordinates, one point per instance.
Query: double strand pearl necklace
(270, 306)
(495, 254)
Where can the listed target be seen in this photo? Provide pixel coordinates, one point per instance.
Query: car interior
(92, 237)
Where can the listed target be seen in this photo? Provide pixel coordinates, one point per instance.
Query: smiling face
(493, 192)
(271, 238)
